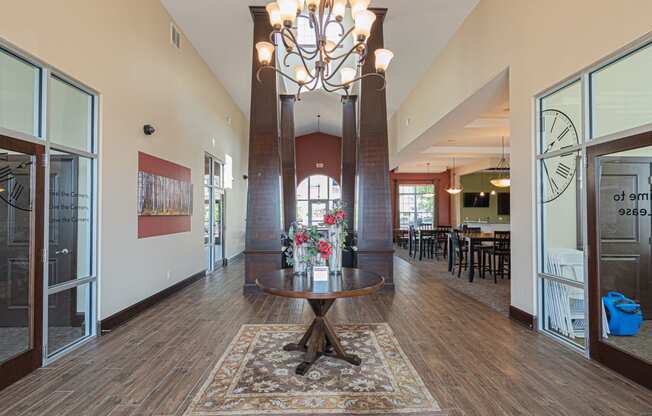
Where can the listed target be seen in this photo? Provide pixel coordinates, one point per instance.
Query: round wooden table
(320, 338)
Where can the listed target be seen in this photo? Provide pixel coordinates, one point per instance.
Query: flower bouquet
(335, 220)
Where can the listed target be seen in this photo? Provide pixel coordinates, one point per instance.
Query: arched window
(315, 195)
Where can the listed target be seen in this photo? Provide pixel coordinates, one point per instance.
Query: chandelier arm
(343, 37)
(290, 53)
(303, 60)
(360, 78)
(280, 73)
(345, 57)
(340, 25)
(286, 33)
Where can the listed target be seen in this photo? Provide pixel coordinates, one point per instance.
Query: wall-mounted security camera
(148, 129)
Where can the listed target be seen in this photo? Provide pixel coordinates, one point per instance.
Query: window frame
(48, 71)
(416, 211)
(309, 200)
(587, 141)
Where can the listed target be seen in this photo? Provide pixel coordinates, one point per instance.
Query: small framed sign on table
(320, 273)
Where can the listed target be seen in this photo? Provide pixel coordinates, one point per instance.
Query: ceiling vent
(175, 36)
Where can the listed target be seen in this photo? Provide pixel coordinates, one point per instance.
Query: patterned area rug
(255, 376)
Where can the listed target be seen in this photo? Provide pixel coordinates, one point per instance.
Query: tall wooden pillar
(288, 162)
(349, 157)
(375, 249)
(263, 238)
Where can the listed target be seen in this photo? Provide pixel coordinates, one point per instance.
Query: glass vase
(299, 259)
(335, 237)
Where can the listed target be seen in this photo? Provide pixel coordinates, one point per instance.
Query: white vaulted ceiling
(416, 30)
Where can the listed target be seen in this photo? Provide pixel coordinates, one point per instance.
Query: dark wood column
(263, 238)
(375, 249)
(288, 160)
(349, 157)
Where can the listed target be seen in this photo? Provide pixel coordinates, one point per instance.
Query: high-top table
(320, 338)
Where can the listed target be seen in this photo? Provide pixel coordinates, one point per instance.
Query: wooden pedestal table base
(320, 339)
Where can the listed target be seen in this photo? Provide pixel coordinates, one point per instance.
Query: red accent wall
(441, 182)
(151, 226)
(315, 148)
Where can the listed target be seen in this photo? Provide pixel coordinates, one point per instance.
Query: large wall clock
(558, 133)
(14, 184)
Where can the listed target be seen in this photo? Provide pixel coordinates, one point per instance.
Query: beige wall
(121, 48)
(541, 43)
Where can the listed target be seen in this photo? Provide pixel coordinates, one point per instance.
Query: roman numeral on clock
(563, 170)
(16, 192)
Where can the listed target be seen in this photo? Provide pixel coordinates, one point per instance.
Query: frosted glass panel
(19, 95)
(561, 119)
(71, 111)
(622, 94)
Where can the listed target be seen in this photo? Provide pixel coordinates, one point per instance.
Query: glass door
(620, 240)
(21, 263)
(214, 209)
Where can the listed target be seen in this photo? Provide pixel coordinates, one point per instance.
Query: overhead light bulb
(339, 9)
(482, 194)
(312, 5)
(265, 52)
(493, 192)
(363, 23)
(454, 190)
(347, 75)
(501, 182)
(383, 59)
(358, 6)
(288, 10)
(274, 15)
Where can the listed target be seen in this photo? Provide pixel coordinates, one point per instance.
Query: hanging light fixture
(502, 181)
(322, 66)
(454, 190)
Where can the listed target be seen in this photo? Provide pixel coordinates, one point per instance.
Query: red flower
(340, 216)
(300, 238)
(330, 219)
(325, 248)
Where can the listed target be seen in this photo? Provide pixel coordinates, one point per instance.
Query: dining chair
(501, 253)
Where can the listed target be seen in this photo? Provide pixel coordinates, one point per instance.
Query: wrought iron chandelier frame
(323, 51)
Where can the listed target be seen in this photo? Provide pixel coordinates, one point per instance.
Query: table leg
(449, 247)
(470, 259)
(320, 339)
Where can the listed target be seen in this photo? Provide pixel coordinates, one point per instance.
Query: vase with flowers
(335, 220)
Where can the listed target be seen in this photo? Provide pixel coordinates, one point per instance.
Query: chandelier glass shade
(454, 189)
(502, 181)
(324, 61)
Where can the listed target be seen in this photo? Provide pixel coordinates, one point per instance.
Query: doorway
(214, 210)
(21, 263)
(620, 257)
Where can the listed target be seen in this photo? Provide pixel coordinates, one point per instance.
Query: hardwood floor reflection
(474, 360)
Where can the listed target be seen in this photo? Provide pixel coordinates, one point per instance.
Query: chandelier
(502, 181)
(322, 63)
(454, 189)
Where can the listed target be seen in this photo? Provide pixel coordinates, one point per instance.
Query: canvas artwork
(160, 196)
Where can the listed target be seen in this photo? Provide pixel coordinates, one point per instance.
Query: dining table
(472, 240)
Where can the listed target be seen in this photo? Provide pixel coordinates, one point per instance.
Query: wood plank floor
(474, 360)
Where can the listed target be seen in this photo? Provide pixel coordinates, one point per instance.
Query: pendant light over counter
(454, 189)
(502, 181)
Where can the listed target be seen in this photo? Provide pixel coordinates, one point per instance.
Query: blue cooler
(624, 315)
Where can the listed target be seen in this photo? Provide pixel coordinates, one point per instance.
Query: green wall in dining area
(477, 182)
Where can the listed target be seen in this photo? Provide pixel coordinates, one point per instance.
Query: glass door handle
(63, 251)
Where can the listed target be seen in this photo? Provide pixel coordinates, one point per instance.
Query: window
(315, 195)
(621, 93)
(416, 205)
(560, 229)
(20, 88)
(69, 110)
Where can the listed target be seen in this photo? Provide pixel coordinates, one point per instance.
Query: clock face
(558, 133)
(15, 184)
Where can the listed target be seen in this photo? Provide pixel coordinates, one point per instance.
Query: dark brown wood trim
(120, 318)
(521, 317)
(288, 160)
(349, 157)
(634, 368)
(28, 361)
